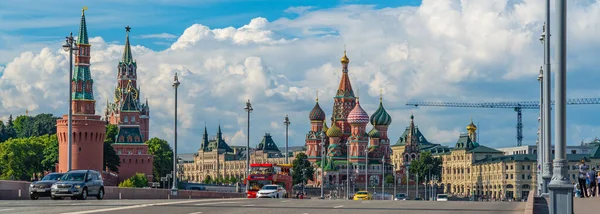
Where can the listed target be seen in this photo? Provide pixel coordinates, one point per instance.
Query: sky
(279, 54)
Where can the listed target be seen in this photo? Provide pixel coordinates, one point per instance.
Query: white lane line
(340, 206)
(196, 213)
(225, 202)
(248, 205)
(285, 201)
(146, 205)
(6, 210)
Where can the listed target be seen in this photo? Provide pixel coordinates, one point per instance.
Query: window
(126, 120)
(511, 176)
(573, 151)
(139, 151)
(119, 152)
(129, 152)
(133, 119)
(522, 167)
(523, 176)
(511, 167)
(528, 167)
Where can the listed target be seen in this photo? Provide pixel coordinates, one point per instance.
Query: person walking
(583, 169)
(598, 183)
(592, 178)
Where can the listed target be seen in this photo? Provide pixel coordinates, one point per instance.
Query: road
(262, 206)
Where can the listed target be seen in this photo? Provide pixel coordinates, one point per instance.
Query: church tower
(343, 102)
(313, 137)
(88, 129)
(381, 120)
(411, 150)
(132, 118)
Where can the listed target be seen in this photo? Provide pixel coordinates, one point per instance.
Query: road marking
(340, 206)
(146, 205)
(225, 202)
(6, 210)
(248, 205)
(285, 201)
(196, 213)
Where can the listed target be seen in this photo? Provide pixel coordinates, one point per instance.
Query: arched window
(126, 120)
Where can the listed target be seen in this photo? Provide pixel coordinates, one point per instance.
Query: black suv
(79, 184)
(41, 188)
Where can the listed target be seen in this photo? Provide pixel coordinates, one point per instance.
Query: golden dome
(345, 59)
(471, 126)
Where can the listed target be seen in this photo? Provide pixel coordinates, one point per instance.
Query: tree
(423, 164)
(20, 158)
(207, 179)
(50, 153)
(10, 129)
(302, 170)
(163, 156)
(111, 133)
(3, 136)
(127, 184)
(24, 126)
(233, 180)
(111, 159)
(44, 124)
(389, 179)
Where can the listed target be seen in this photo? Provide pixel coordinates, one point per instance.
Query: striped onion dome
(317, 113)
(334, 131)
(374, 133)
(381, 117)
(358, 115)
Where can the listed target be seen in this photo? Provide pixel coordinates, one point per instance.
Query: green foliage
(50, 153)
(302, 171)
(7, 131)
(389, 179)
(111, 159)
(127, 183)
(111, 133)
(163, 156)
(233, 179)
(207, 179)
(138, 180)
(32, 126)
(20, 158)
(424, 164)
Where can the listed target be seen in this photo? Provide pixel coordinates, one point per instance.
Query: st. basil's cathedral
(347, 142)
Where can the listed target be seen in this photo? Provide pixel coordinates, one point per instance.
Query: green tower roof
(82, 38)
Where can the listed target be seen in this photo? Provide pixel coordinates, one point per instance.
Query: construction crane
(517, 106)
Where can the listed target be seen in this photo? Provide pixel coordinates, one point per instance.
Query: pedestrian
(583, 168)
(598, 183)
(593, 182)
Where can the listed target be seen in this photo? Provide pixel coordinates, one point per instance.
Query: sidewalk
(586, 205)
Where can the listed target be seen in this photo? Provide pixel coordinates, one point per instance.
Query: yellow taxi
(362, 195)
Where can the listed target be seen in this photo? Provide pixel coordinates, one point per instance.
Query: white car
(442, 197)
(271, 191)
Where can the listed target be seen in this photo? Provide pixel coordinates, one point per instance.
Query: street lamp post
(366, 169)
(561, 189)
(417, 185)
(407, 177)
(174, 188)
(395, 180)
(286, 122)
(546, 117)
(383, 177)
(348, 170)
(323, 153)
(70, 46)
(540, 141)
(248, 109)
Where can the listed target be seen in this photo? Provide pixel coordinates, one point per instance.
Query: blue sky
(279, 53)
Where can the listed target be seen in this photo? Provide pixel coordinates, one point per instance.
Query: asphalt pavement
(261, 206)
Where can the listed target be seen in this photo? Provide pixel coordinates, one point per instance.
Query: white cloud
(158, 36)
(298, 10)
(442, 50)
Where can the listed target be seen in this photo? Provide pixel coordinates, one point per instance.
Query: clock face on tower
(117, 94)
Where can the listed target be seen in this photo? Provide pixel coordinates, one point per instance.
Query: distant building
(216, 158)
(132, 117)
(88, 130)
(532, 149)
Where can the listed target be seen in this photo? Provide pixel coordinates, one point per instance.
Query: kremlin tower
(88, 129)
(132, 117)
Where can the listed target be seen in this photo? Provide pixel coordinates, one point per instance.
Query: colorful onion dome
(381, 117)
(374, 133)
(345, 59)
(325, 128)
(334, 131)
(471, 126)
(358, 115)
(317, 113)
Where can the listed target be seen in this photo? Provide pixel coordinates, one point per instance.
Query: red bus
(267, 173)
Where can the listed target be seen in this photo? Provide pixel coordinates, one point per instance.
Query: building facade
(532, 149)
(347, 146)
(132, 118)
(216, 159)
(88, 131)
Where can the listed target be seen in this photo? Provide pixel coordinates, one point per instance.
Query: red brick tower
(313, 139)
(343, 102)
(132, 117)
(88, 129)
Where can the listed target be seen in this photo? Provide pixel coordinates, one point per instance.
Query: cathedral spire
(345, 88)
(82, 38)
(127, 56)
